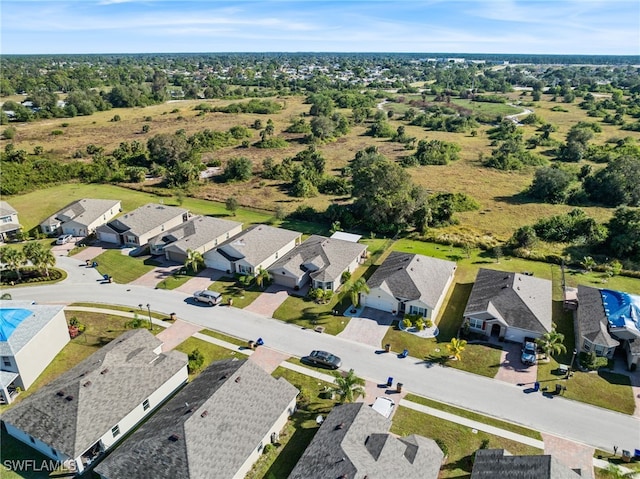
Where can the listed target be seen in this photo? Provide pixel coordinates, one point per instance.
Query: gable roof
(494, 464)
(6, 209)
(325, 258)
(591, 318)
(144, 219)
(194, 233)
(74, 410)
(413, 277)
(522, 301)
(213, 424)
(257, 243)
(84, 211)
(27, 323)
(354, 441)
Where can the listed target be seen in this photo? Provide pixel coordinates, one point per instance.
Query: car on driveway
(323, 359)
(529, 354)
(206, 296)
(384, 406)
(64, 239)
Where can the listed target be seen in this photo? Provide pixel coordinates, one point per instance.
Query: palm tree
(194, 260)
(40, 257)
(455, 347)
(354, 288)
(262, 277)
(588, 263)
(551, 342)
(13, 258)
(349, 387)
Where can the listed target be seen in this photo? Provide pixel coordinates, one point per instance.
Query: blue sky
(610, 27)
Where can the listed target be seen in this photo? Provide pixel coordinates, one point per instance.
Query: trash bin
(252, 344)
(536, 386)
(399, 387)
(105, 277)
(387, 348)
(389, 381)
(626, 455)
(94, 264)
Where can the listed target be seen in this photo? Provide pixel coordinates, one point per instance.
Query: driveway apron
(511, 369)
(267, 303)
(201, 281)
(176, 334)
(369, 328)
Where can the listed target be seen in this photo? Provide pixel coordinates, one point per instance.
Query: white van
(384, 406)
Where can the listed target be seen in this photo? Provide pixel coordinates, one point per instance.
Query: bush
(267, 448)
(443, 446)
(196, 360)
(57, 133)
(9, 133)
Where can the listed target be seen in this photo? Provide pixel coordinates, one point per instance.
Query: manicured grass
(230, 288)
(507, 426)
(211, 353)
(175, 280)
(114, 307)
(123, 268)
(299, 430)
(224, 337)
(460, 441)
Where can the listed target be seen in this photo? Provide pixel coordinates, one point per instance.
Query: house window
(476, 323)
(416, 310)
(6, 219)
(276, 255)
(600, 350)
(6, 361)
(242, 269)
(145, 404)
(587, 345)
(115, 431)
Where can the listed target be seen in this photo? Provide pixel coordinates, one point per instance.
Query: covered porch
(8, 388)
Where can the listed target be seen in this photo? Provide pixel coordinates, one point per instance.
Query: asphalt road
(573, 420)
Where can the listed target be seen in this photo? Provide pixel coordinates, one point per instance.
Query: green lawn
(123, 268)
(211, 353)
(231, 288)
(13, 450)
(224, 337)
(306, 313)
(459, 440)
(175, 280)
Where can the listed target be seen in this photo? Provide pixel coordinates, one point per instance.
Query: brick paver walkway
(176, 334)
(571, 454)
(267, 359)
(269, 301)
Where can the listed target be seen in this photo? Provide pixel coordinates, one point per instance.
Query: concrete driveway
(368, 328)
(269, 301)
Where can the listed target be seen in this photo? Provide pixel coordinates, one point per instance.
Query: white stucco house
(81, 218)
(256, 247)
(9, 224)
(31, 335)
(216, 426)
(83, 413)
(407, 283)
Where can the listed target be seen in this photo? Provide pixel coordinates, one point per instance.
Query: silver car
(64, 239)
(206, 296)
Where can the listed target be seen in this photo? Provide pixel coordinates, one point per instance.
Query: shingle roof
(194, 233)
(40, 316)
(74, 410)
(6, 209)
(413, 277)
(327, 257)
(522, 301)
(259, 242)
(591, 319)
(145, 218)
(209, 429)
(354, 442)
(84, 211)
(494, 464)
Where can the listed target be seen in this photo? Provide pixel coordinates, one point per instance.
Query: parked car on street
(323, 359)
(529, 354)
(64, 239)
(206, 296)
(384, 406)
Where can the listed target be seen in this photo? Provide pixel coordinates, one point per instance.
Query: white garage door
(382, 303)
(283, 280)
(216, 261)
(109, 237)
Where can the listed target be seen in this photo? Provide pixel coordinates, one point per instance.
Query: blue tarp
(622, 309)
(10, 319)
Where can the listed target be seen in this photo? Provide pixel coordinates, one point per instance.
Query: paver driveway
(368, 328)
(269, 301)
(511, 369)
(201, 281)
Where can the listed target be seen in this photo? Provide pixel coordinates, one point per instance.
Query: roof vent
(340, 426)
(104, 371)
(60, 393)
(204, 413)
(238, 379)
(69, 398)
(174, 437)
(87, 384)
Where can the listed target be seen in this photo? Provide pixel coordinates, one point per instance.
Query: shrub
(443, 446)
(57, 132)
(9, 133)
(196, 360)
(116, 118)
(267, 448)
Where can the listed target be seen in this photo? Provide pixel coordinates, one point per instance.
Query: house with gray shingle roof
(354, 442)
(200, 233)
(31, 335)
(215, 427)
(497, 464)
(319, 259)
(511, 306)
(137, 227)
(410, 283)
(80, 415)
(256, 247)
(9, 224)
(81, 218)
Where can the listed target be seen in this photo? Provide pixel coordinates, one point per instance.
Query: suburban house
(407, 283)
(81, 218)
(31, 335)
(80, 415)
(605, 320)
(200, 233)
(354, 442)
(509, 306)
(216, 426)
(137, 227)
(256, 247)
(9, 225)
(319, 259)
(498, 464)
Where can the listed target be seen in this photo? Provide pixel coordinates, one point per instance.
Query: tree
(624, 233)
(231, 204)
(194, 260)
(349, 386)
(524, 237)
(238, 169)
(262, 277)
(13, 258)
(196, 360)
(42, 258)
(354, 288)
(456, 347)
(551, 342)
(551, 185)
(588, 263)
(617, 184)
